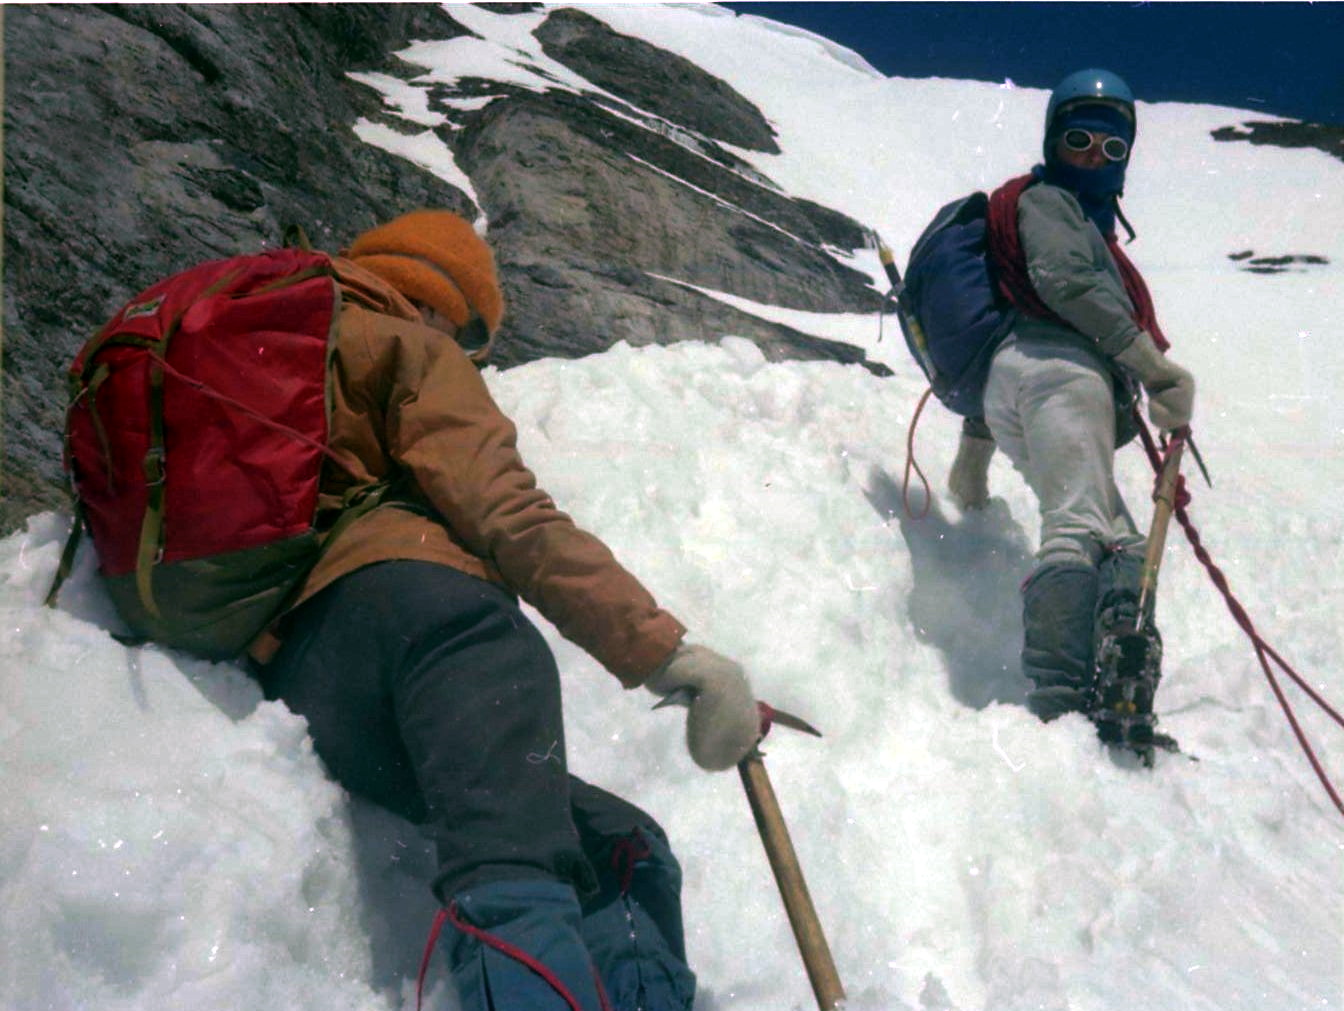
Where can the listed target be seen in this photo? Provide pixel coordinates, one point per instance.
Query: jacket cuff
(1121, 339)
(655, 646)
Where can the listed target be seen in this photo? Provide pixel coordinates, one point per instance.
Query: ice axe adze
(783, 859)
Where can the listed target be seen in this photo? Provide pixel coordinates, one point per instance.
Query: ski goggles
(1080, 140)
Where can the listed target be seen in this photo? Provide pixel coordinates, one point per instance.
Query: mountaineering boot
(632, 924)
(1058, 610)
(1128, 657)
(517, 944)
(968, 480)
(633, 927)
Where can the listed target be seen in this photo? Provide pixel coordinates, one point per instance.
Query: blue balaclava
(1098, 188)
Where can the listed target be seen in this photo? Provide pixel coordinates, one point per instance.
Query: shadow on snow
(966, 599)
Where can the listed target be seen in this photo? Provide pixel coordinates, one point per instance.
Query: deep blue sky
(1283, 59)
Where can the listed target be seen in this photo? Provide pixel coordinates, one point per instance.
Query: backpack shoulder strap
(294, 237)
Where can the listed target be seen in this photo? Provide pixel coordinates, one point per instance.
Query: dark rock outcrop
(589, 248)
(1287, 133)
(142, 139)
(654, 80)
(1277, 264)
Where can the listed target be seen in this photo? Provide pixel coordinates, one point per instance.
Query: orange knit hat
(435, 257)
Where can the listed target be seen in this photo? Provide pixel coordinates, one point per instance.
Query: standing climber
(1060, 387)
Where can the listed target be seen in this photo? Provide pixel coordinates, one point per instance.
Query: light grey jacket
(1073, 273)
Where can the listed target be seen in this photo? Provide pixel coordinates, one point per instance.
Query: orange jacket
(408, 402)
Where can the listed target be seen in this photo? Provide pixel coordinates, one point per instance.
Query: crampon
(1128, 669)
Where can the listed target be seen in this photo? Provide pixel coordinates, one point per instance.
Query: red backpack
(195, 440)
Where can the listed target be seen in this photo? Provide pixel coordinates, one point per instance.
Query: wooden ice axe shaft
(792, 887)
(1164, 504)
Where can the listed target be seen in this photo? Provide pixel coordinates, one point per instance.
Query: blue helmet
(1094, 100)
(1092, 87)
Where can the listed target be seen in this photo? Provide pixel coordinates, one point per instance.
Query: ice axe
(783, 859)
(1164, 504)
(1128, 650)
(784, 862)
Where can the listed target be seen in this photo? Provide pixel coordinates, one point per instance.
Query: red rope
(435, 929)
(910, 462)
(601, 991)
(627, 852)
(1263, 651)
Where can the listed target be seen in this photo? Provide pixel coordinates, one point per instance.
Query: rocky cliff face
(141, 139)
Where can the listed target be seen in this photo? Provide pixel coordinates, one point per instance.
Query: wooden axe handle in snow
(789, 876)
(1164, 504)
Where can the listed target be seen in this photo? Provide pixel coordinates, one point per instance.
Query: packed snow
(169, 840)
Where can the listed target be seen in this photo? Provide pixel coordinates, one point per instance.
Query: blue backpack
(949, 307)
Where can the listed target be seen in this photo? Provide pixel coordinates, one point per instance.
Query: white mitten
(1170, 388)
(722, 723)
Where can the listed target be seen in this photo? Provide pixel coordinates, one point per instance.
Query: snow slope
(168, 840)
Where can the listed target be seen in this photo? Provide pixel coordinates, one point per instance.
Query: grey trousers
(1050, 407)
